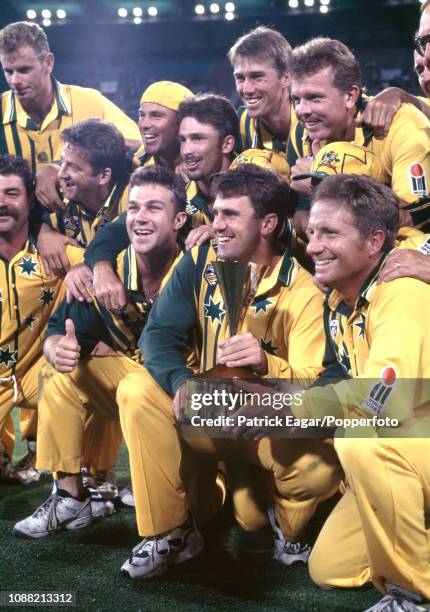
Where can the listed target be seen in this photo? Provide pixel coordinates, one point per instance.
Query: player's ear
(180, 220)
(270, 223)
(228, 144)
(105, 176)
(376, 242)
(352, 96)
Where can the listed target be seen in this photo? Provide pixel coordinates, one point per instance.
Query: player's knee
(318, 568)
(356, 453)
(250, 515)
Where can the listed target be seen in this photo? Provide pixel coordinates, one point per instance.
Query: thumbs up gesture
(68, 350)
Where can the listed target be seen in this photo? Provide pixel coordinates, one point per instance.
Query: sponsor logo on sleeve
(417, 179)
(381, 391)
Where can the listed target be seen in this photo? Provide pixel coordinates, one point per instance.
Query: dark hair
(23, 34)
(159, 175)
(104, 146)
(320, 53)
(267, 191)
(214, 110)
(263, 43)
(9, 164)
(373, 205)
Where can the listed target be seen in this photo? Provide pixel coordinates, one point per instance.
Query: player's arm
(165, 341)
(101, 255)
(380, 110)
(66, 343)
(47, 189)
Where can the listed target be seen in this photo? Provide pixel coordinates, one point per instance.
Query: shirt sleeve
(108, 242)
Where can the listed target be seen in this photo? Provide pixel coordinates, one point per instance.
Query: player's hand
(406, 262)
(108, 289)
(79, 284)
(199, 235)
(46, 190)
(405, 218)
(243, 350)
(380, 110)
(179, 401)
(68, 350)
(301, 166)
(51, 246)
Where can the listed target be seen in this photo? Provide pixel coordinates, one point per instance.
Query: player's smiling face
(27, 73)
(77, 178)
(159, 128)
(202, 148)
(14, 205)
(152, 221)
(260, 86)
(237, 229)
(340, 253)
(323, 109)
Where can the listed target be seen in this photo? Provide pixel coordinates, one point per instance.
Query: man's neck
(205, 185)
(154, 266)
(38, 109)
(10, 245)
(93, 203)
(279, 123)
(351, 290)
(169, 159)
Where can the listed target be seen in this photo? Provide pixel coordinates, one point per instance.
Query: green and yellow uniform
(66, 401)
(285, 314)
(197, 207)
(403, 155)
(77, 223)
(254, 135)
(377, 532)
(42, 144)
(27, 299)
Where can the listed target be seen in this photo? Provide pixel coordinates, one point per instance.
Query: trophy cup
(237, 282)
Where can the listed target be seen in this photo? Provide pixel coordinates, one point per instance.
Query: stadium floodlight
(324, 8)
(293, 3)
(137, 11)
(122, 12)
(309, 2)
(230, 7)
(31, 14)
(46, 14)
(199, 9)
(152, 11)
(214, 8)
(325, 2)
(137, 20)
(61, 14)
(46, 23)
(229, 15)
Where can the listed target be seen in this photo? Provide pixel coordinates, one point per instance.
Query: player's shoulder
(409, 114)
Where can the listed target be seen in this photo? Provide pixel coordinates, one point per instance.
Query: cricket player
(280, 336)
(379, 335)
(326, 90)
(76, 384)
(28, 296)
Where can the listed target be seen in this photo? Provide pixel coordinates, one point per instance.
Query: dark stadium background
(94, 47)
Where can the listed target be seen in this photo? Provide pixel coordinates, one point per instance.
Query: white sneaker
(25, 470)
(399, 600)
(100, 506)
(56, 513)
(126, 495)
(104, 481)
(285, 551)
(154, 555)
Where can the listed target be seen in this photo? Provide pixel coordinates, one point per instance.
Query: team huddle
(110, 238)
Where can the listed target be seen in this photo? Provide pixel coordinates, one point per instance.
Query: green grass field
(234, 572)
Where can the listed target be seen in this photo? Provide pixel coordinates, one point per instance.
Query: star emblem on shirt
(360, 325)
(213, 310)
(28, 266)
(30, 321)
(47, 296)
(267, 346)
(260, 305)
(344, 359)
(7, 356)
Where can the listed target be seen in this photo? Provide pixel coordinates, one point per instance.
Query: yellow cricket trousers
(305, 471)
(380, 529)
(68, 403)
